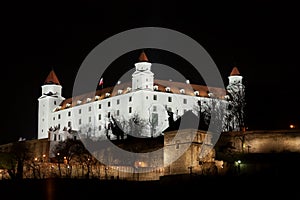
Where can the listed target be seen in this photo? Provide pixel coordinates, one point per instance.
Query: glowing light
(292, 126)
(239, 161)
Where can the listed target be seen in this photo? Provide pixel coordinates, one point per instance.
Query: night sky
(260, 37)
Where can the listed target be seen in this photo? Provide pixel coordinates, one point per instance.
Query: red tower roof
(143, 57)
(52, 78)
(235, 72)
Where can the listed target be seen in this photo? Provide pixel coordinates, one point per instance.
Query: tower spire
(235, 72)
(52, 78)
(143, 57)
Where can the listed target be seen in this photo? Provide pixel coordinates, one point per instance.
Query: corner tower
(235, 77)
(236, 92)
(142, 78)
(48, 101)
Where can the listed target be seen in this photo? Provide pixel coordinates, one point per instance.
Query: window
(90, 108)
(182, 91)
(88, 99)
(130, 99)
(54, 102)
(108, 114)
(59, 137)
(118, 112)
(58, 116)
(118, 101)
(130, 109)
(155, 97)
(79, 121)
(184, 101)
(99, 128)
(69, 124)
(155, 87)
(168, 89)
(177, 144)
(108, 104)
(107, 94)
(79, 111)
(99, 117)
(169, 99)
(69, 113)
(154, 109)
(53, 118)
(90, 119)
(54, 138)
(99, 106)
(196, 93)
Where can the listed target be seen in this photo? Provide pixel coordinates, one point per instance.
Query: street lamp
(239, 166)
(292, 126)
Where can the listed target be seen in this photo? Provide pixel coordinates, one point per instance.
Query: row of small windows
(100, 116)
(108, 116)
(170, 99)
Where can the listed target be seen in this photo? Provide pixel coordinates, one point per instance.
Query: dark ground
(169, 187)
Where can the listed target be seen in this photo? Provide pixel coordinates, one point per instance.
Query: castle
(157, 103)
(145, 98)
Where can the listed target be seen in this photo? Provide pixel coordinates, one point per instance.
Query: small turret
(51, 85)
(142, 78)
(50, 99)
(235, 77)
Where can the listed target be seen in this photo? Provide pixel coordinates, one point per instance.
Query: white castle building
(144, 98)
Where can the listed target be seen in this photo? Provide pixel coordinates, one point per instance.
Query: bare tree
(64, 152)
(8, 161)
(134, 126)
(203, 111)
(20, 153)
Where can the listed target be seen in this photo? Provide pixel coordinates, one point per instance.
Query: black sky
(260, 37)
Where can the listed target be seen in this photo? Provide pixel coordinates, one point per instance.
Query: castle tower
(236, 91)
(142, 78)
(50, 99)
(235, 78)
(235, 87)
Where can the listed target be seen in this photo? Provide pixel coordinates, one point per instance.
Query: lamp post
(239, 166)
